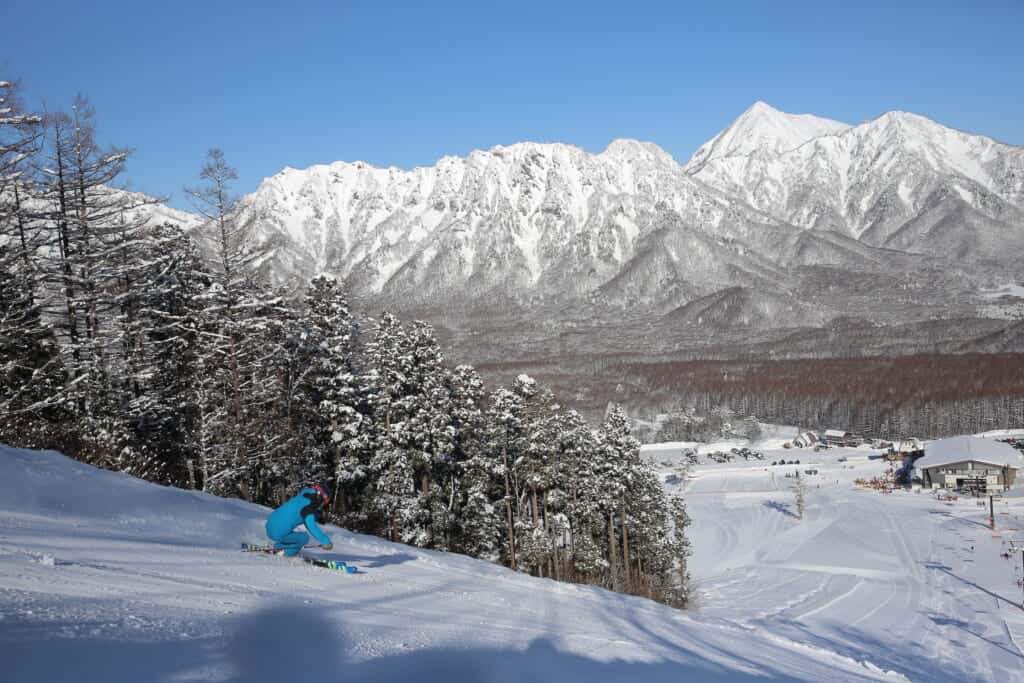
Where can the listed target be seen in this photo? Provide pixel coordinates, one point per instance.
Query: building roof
(969, 448)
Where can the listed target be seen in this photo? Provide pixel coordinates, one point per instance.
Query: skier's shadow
(302, 643)
(781, 507)
(286, 643)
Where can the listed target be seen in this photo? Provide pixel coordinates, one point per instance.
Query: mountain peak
(628, 148)
(763, 107)
(763, 128)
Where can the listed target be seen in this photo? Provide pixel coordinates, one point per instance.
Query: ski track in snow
(886, 579)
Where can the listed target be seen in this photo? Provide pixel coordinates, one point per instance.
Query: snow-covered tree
(620, 476)
(800, 495)
(321, 387)
(471, 515)
(162, 412)
(389, 367)
(31, 373)
(242, 430)
(228, 238)
(86, 281)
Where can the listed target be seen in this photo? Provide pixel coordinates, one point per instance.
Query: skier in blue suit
(304, 508)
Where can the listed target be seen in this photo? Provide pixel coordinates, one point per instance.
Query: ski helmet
(323, 492)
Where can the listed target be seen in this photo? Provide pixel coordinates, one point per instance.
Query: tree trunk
(554, 570)
(536, 518)
(613, 554)
(625, 550)
(508, 511)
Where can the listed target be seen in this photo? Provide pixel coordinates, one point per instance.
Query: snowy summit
(764, 129)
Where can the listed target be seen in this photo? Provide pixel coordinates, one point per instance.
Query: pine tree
(429, 436)
(167, 325)
(623, 475)
(578, 498)
(472, 516)
(275, 456)
(320, 384)
(505, 439)
(391, 495)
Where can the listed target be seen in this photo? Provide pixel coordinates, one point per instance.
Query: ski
(329, 564)
(336, 565)
(253, 548)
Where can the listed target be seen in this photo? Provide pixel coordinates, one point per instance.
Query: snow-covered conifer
(164, 414)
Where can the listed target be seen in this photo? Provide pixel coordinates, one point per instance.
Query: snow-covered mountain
(529, 222)
(535, 223)
(900, 181)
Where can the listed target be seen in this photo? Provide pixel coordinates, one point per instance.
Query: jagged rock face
(900, 181)
(534, 222)
(779, 221)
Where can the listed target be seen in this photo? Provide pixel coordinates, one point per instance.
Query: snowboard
(336, 565)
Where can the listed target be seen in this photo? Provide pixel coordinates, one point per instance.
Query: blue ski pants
(292, 542)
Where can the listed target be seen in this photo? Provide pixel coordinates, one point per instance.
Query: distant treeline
(923, 395)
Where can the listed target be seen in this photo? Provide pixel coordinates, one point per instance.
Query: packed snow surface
(107, 578)
(905, 581)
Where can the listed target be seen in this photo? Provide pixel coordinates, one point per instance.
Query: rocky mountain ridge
(779, 222)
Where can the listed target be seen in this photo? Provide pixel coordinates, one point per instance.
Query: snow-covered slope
(106, 578)
(158, 213)
(916, 585)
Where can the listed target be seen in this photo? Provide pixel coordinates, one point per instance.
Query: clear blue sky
(303, 82)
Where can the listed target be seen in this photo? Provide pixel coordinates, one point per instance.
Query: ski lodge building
(838, 437)
(970, 464)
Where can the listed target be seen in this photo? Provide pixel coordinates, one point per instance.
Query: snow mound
(144, 583)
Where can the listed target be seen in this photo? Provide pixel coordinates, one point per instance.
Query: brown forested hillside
(923, 395)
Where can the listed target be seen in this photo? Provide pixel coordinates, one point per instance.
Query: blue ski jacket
(299, 510)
